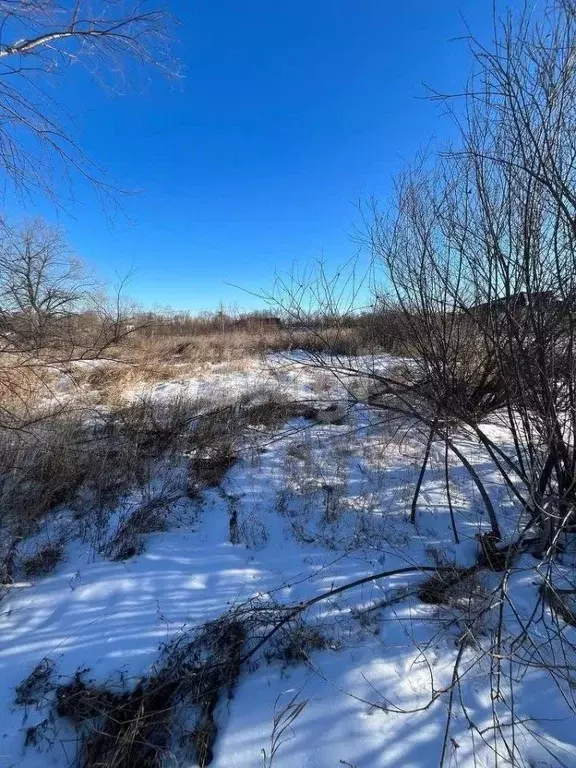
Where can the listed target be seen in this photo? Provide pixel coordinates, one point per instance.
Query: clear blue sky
(288, 114)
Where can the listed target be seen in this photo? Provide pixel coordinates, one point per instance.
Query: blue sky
(288, 114)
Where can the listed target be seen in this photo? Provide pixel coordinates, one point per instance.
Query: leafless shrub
(485, 288)
(477, 251)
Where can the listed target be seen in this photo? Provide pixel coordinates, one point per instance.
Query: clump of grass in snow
(275, 411)
(219, 435)
(284, 718)
(439, 588)
(148, 517)
(44, 560)
(35, 688)
(140, 728)
(299, 641)
(208, 466)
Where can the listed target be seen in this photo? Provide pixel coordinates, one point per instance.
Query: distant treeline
(185, 323)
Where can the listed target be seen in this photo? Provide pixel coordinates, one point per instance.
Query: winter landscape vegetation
(337, 528)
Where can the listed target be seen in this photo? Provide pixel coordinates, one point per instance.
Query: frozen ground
(315, 506)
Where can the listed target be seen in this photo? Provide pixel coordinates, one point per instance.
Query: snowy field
(309, 505)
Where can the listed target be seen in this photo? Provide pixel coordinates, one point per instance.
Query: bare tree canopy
(39, 41)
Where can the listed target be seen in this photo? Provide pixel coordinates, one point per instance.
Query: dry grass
(88, 467)
(24, 383)
(443, 587)
(295, 645)
(144, 359)
(90, 447)
(110, 382)
(44, 561)
(151, 359)
(35, 689)
(207, 348)
(98, 464)
(40, 469)
(128, 538)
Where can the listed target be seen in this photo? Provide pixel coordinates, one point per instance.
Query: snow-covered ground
(316, 505)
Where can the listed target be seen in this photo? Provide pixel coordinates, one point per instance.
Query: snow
(112, 617)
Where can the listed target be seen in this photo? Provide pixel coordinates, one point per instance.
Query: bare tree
(53, 313)
(40, 41)
(41, 284)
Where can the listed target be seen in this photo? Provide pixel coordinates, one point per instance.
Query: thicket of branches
(478, 267)
(479, 256)
(477, 261)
